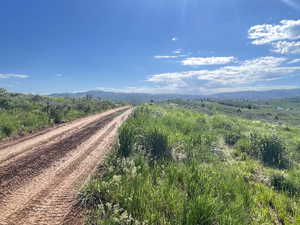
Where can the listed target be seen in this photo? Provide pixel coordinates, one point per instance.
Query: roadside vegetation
(21, 114)
(174, 166)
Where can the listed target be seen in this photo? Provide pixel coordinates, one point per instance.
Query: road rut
(40, 176)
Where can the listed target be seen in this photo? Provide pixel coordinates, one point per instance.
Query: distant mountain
(127, 97)
(271, 94)
(141, 98)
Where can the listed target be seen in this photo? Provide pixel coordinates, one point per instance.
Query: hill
(279, 111)
(272, 94)
(135, 98)
(143, 97)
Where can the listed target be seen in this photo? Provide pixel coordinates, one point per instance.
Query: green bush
(200, 211)
(155, 142)
(231, 138)
(281, 183)
(298, 147)
(126, 140)
(7, 130)
(270, 149)
(222, 122)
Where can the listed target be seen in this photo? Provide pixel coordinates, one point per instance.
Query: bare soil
(41, 174)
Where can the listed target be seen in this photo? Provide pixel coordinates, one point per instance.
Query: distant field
(279, 111)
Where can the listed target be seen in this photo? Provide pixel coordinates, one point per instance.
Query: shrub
(270, 149)
(231, 138)
(155, 142)
(126, 140)
(199, 211)
(203, 124)
(7, 130)
(298, 147)
(221, 122)
(280, 183)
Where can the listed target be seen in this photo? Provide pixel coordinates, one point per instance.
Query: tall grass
(269, 148)
(166, 171)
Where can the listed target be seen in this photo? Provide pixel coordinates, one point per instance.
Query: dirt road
(40, 175)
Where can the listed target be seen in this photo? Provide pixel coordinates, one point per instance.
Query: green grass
(21, 114)
(279, 111)
(177, 166)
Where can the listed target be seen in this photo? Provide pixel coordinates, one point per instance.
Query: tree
(3, 91)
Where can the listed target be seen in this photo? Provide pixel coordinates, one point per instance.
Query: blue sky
(170, 46)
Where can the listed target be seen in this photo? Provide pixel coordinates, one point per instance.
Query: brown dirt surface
(41, 174)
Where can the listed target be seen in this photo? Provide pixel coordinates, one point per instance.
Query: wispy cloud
(143, 89)
(294, 61)
(246, 73)
(292, 3)
(200, 61)
(166, 56)
(267, 33)
(177, 51)
(11, 75)
(286, 47)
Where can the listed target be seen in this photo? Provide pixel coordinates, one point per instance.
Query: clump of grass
(270, 149)
(126, 140)
(7, 129)
(282, 183)
(156, 144)
(232, 137)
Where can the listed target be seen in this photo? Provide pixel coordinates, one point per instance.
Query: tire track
(11, 149)
(52, 202)
(37, 204)
(13, 141)
(18, 172)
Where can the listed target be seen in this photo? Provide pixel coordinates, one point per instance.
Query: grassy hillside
(20, 114)
(279, 111)
(177, 166)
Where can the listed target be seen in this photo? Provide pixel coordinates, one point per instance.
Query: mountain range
(143, 97)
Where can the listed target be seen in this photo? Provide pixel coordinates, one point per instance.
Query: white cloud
(294, 61)
(247, 75)
(10, 75)
(177, 51)
(267, 33)
(166, 56)
(200, 61)
(291, 3)
(143, 89)
(174, 38)
(260, 69)
(286, 47)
